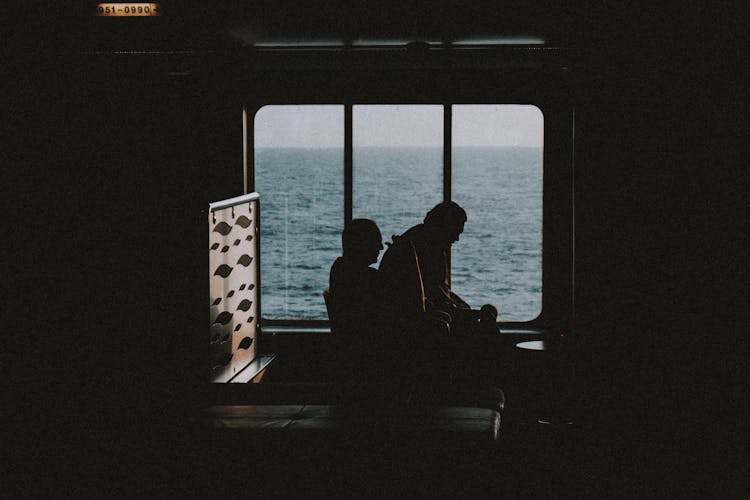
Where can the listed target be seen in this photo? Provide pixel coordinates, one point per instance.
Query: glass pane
(497, 178)
(398, 164)
(299, 174)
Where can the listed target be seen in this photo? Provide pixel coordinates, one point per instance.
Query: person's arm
(453, 298)
(458, 301)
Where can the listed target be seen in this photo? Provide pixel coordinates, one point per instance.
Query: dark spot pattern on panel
(223, 318)
(243, 222)
(223, 228)
(223, 271)
(229, 315)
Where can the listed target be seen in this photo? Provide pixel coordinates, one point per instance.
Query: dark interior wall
(119, 162)
(130, 154)
(656, 141)
(157, 148)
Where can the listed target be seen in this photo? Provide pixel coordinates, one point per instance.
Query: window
(399, 170)
(299, 167)
(497, 179)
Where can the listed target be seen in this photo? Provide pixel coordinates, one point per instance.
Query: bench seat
(319, 393)
(477, 425)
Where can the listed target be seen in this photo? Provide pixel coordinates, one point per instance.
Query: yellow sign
(128, 9)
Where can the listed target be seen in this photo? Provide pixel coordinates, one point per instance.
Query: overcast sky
(398, 125)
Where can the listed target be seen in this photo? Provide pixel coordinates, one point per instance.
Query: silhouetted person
(415, 273)
(356, 303)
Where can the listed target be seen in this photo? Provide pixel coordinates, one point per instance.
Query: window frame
(558, 228)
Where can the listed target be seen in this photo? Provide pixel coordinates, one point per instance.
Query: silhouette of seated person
(356, 305)
(354, 285)
(414, 271)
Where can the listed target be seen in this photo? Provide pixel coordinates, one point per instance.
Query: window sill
(301, 329)
(286, 329)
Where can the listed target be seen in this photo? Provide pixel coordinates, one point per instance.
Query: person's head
(361, 241)
(445, 222)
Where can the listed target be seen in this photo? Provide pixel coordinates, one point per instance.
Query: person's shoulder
(337, 265)
(399, 240)
(413, 232)
(337, 269)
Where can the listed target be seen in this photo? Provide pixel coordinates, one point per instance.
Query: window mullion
(447, 166)
(248, 153)
(348, 163)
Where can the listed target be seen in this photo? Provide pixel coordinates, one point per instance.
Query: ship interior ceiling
(131, 127)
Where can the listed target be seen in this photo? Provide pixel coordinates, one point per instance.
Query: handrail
(232, 202)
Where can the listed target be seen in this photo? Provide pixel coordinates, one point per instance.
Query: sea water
(497, 259)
